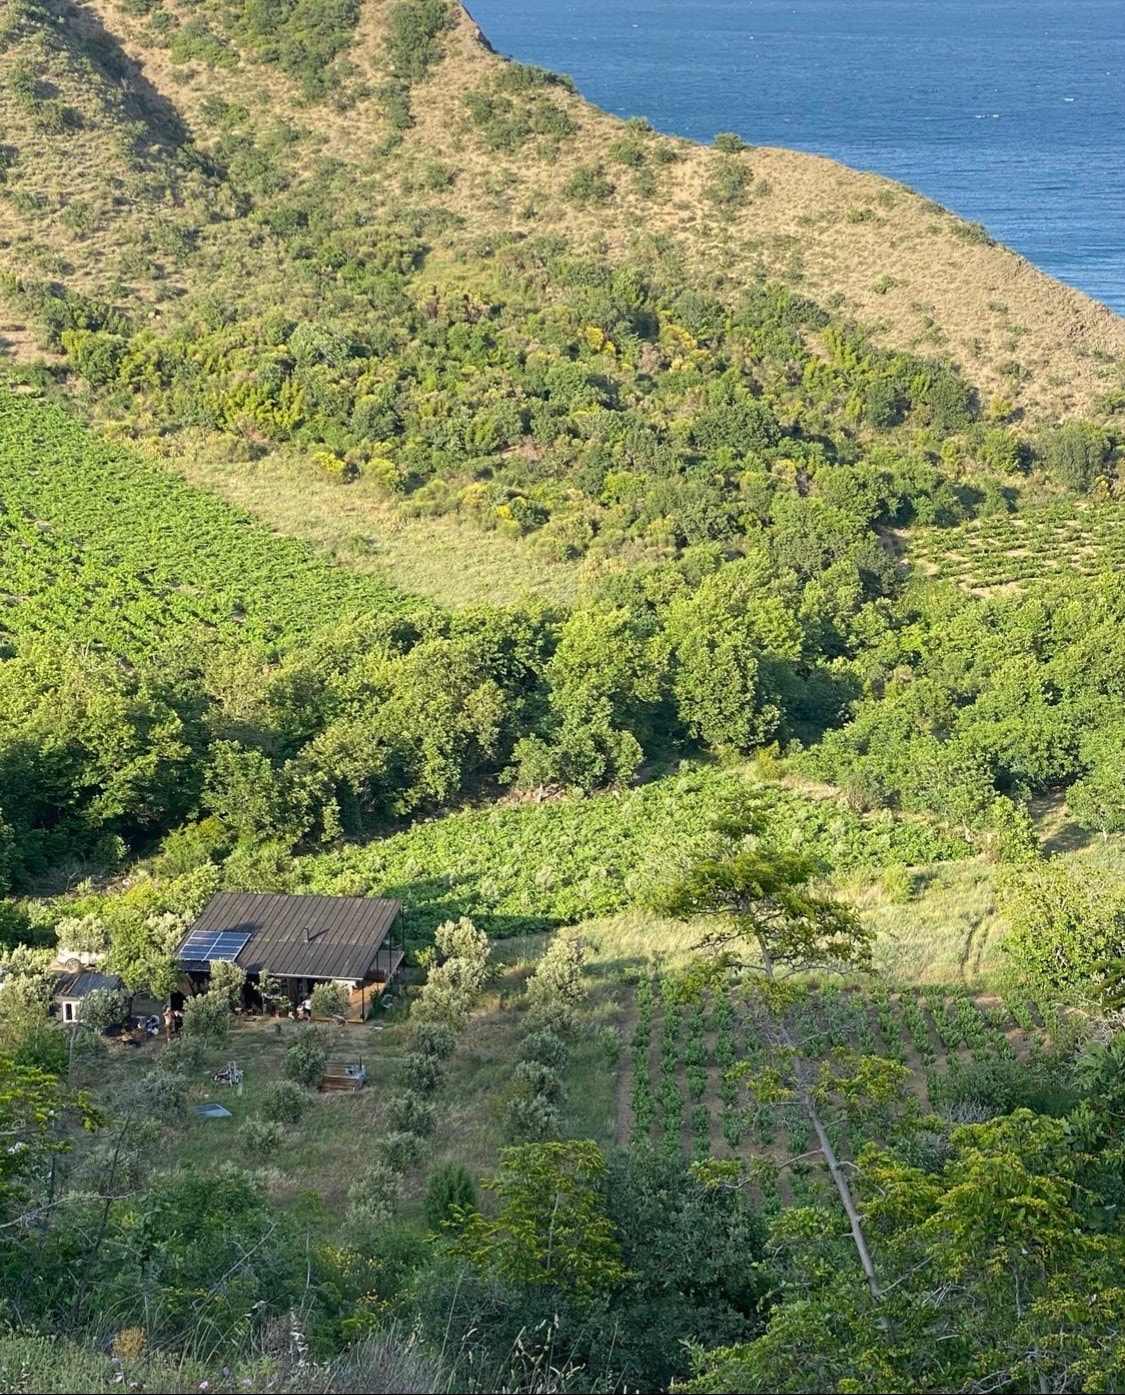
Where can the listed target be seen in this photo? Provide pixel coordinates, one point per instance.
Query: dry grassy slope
(837, 233)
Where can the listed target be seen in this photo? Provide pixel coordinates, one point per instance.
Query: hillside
(114, 206)
(297, 247)
(686, 580)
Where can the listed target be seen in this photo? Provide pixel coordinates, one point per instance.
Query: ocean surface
(1010, 112)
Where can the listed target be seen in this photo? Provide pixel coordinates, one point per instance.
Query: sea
(1009, 112)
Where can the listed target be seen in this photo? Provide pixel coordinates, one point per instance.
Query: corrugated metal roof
(80, 985)
(344, 933)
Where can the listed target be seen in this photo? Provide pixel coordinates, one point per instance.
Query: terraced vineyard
(989, 553)
(103, 548)
(692, 1053)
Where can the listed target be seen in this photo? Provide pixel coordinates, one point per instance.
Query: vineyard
(702, 1078)
(521, 868)
(988, 553)
(102, 548)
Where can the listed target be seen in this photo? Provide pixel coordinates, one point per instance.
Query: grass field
(357, 526)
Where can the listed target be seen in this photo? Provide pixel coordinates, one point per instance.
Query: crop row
(102, 547)
(696, 1056)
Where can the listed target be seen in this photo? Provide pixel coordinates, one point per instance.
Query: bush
(228, 980)
(329, 1000)
(432, 1039)
(259, 1137)
(423, 1073)
(730, 142)
(372, 1197)
(306, 1057)
(161, 1095)
(728, 181)
(449, 1189)
(207, 1017)
(588, 185)
(1076, 454)
(409, 1113)
(282, 1102)
(539, 1080)
(184, 1056)
(544, 1047)
(557, 986)
(413, 38)
(533, 1120)
(104, 1008)
(401, 1150)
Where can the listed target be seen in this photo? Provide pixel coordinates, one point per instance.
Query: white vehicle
(83, 942)
(75, 960)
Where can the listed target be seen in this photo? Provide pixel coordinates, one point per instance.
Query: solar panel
(210, 945)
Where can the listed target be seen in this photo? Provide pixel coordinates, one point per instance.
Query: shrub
(283, 1102)
(228, 980)
(306, 1057)
(557, 985)
(260, 1137)
(453, 985)
(423, 1073)
(409, 1113)
(207, 1017)
(1076, 454)
(432, 1039)
(183, 1056)
(588, 184)
(544, 1047)
(104, 1008)
(413, 36)
(161, 1095)
(730, 142)
(329, 1000)
(539, 1080)
(372, 1197)
(728, 181)
(401, 1150)
(449, 1189)
(533, 1120)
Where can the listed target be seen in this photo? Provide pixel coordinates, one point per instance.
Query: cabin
(300, 941)
(72, 990)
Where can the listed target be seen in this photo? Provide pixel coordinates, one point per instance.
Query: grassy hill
(152, 100)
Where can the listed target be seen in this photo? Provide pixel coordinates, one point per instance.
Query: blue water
(1011, 112)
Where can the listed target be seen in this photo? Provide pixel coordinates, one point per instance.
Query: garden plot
(701, 1068)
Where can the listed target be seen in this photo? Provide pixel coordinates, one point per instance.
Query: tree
(104, 1008)
(557, 987)
(1097, 800)
(763, 903)
(999, 1274)
(454, 984)
(1066, 928)
(451, 1194)
(228, 980)
(305, 1057)
(551, 1227)
(31, 1106)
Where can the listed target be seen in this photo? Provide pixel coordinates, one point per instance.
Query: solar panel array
(211, 945)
